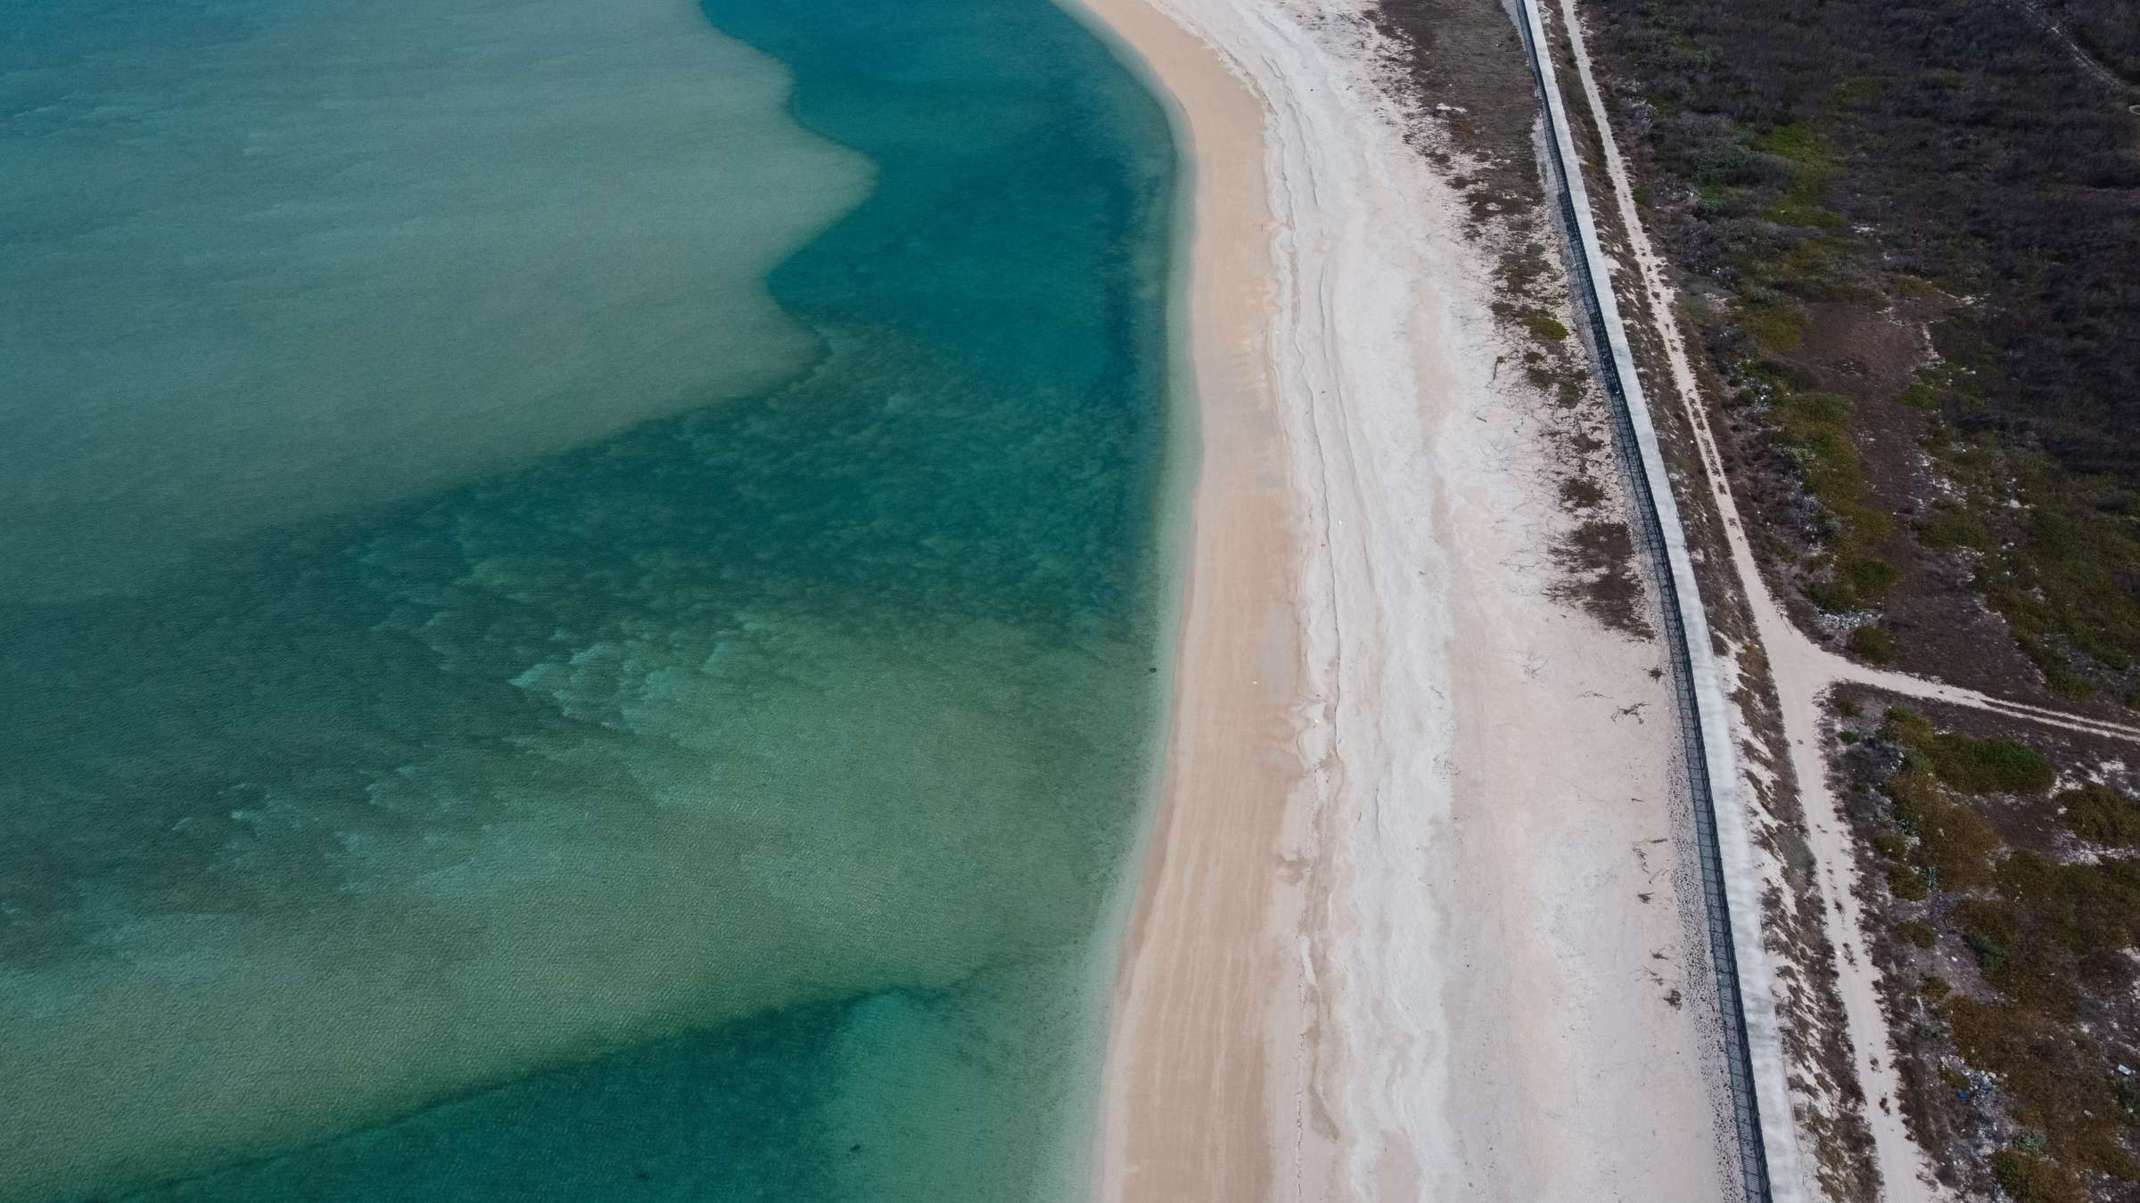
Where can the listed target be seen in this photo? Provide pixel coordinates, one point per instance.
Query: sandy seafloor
(581, 596)
(1415, 921)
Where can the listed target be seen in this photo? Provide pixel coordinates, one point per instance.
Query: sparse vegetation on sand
(2007, 930)
(1913, 262)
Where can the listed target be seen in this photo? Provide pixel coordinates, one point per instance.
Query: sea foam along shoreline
(1385, 944)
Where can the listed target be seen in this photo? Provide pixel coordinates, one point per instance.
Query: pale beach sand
(1415, 917)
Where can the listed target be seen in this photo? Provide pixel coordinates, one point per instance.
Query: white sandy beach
(1413, 922)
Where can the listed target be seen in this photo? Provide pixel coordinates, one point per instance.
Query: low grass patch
(2069, 578)
(2059, 557)
(1776, 328)
(1815, 429)
(1810, 163)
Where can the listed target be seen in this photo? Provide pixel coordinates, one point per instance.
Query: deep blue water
(725, 806)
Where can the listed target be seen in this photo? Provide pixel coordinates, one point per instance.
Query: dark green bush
(1974, 766)
(1871, 576)
(2102, 815)
(2028, 1178)
(1989, 928)
(1908, 882)
(1545, 327)
(1991, 766)
(1874, 643)
(1954, 841)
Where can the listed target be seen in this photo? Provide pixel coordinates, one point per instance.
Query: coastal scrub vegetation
(2008, 932)
(1474, 118)
(1912, 239)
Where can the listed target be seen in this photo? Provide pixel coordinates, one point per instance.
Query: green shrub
(1776, 329)
(1950, 526)
(2028, 1178)
(1874, 643)
(1798, 142)
(1544, 327)
(1960, 846)
(1989, 928)
(1832, 593)
(1919, 934)
(1920, 396)
(1809, 163)
(1871, 576)
(2065, 583)
(1956, 843)
(1815, 429)
(2056, 1082)
(1974, 766)
(1916, 795)
(1908, 882)
(2083, 907)
(1990, 766)
(2101, 815)
(1905, 726)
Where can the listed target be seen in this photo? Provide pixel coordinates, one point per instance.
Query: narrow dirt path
(2087, 62)
(1804, 673)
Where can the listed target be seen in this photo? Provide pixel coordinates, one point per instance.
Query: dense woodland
(1920, 219)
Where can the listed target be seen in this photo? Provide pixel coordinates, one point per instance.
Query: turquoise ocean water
(580, 596)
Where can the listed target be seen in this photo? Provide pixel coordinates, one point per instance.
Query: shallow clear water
(509, 700)
(269, 259)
